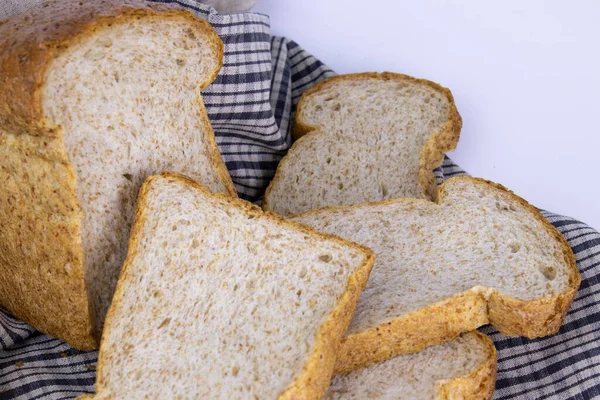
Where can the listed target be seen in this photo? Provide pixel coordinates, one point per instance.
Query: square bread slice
(365, 137)
(220, 300)
(96, 96)
(479, 255)
(463, 368)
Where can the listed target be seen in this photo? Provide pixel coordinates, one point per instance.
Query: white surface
(525, 76)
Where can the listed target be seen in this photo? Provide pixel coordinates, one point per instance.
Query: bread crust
(539, 317)
(313, 380)
(431, 154)
(429, 326)
(29, 41)
(41, 258)
(479, 384)
(442, 321)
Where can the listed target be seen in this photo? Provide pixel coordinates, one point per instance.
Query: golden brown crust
(480, 384)
(531, 318)
(444, 320)
(432, 325)
(314, 379)
(446, 139)
(41, 259)
(431, 154)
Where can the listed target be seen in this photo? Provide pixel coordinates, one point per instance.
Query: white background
(525, 76)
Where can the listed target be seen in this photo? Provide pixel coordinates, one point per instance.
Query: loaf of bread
(480, 255)
(464, 368)
(96, 95)
(365, 137)
(219, 300)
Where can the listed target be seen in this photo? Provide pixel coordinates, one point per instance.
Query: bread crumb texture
(130, 107)
(366, 137)
(425, 252)
(482, 255)
(219, 300)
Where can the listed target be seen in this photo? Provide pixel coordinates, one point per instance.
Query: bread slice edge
(480, 383)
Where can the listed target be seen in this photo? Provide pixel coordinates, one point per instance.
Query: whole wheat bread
(365, 137)
(480, 255)
(219, 300)
(463, 368)
(96, 96)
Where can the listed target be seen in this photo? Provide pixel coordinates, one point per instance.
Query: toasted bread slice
(365, 137)
(463, 368)
(480, 255)
(219, 300)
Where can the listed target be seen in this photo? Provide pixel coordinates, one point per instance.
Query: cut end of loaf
(83, 71)
(127, 101)
(218, 299)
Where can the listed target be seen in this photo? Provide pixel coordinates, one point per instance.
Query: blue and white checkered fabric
(250, 105)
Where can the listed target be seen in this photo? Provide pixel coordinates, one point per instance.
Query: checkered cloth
(251, 105)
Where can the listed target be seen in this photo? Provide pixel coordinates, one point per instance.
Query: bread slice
(96, 96)
(463, 368)
(480, 255)
(365, 137)
(219, 300)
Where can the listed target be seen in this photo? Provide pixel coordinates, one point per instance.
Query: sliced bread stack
(263, 303)
(270, 301)
(476, 254)
(95, 97)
